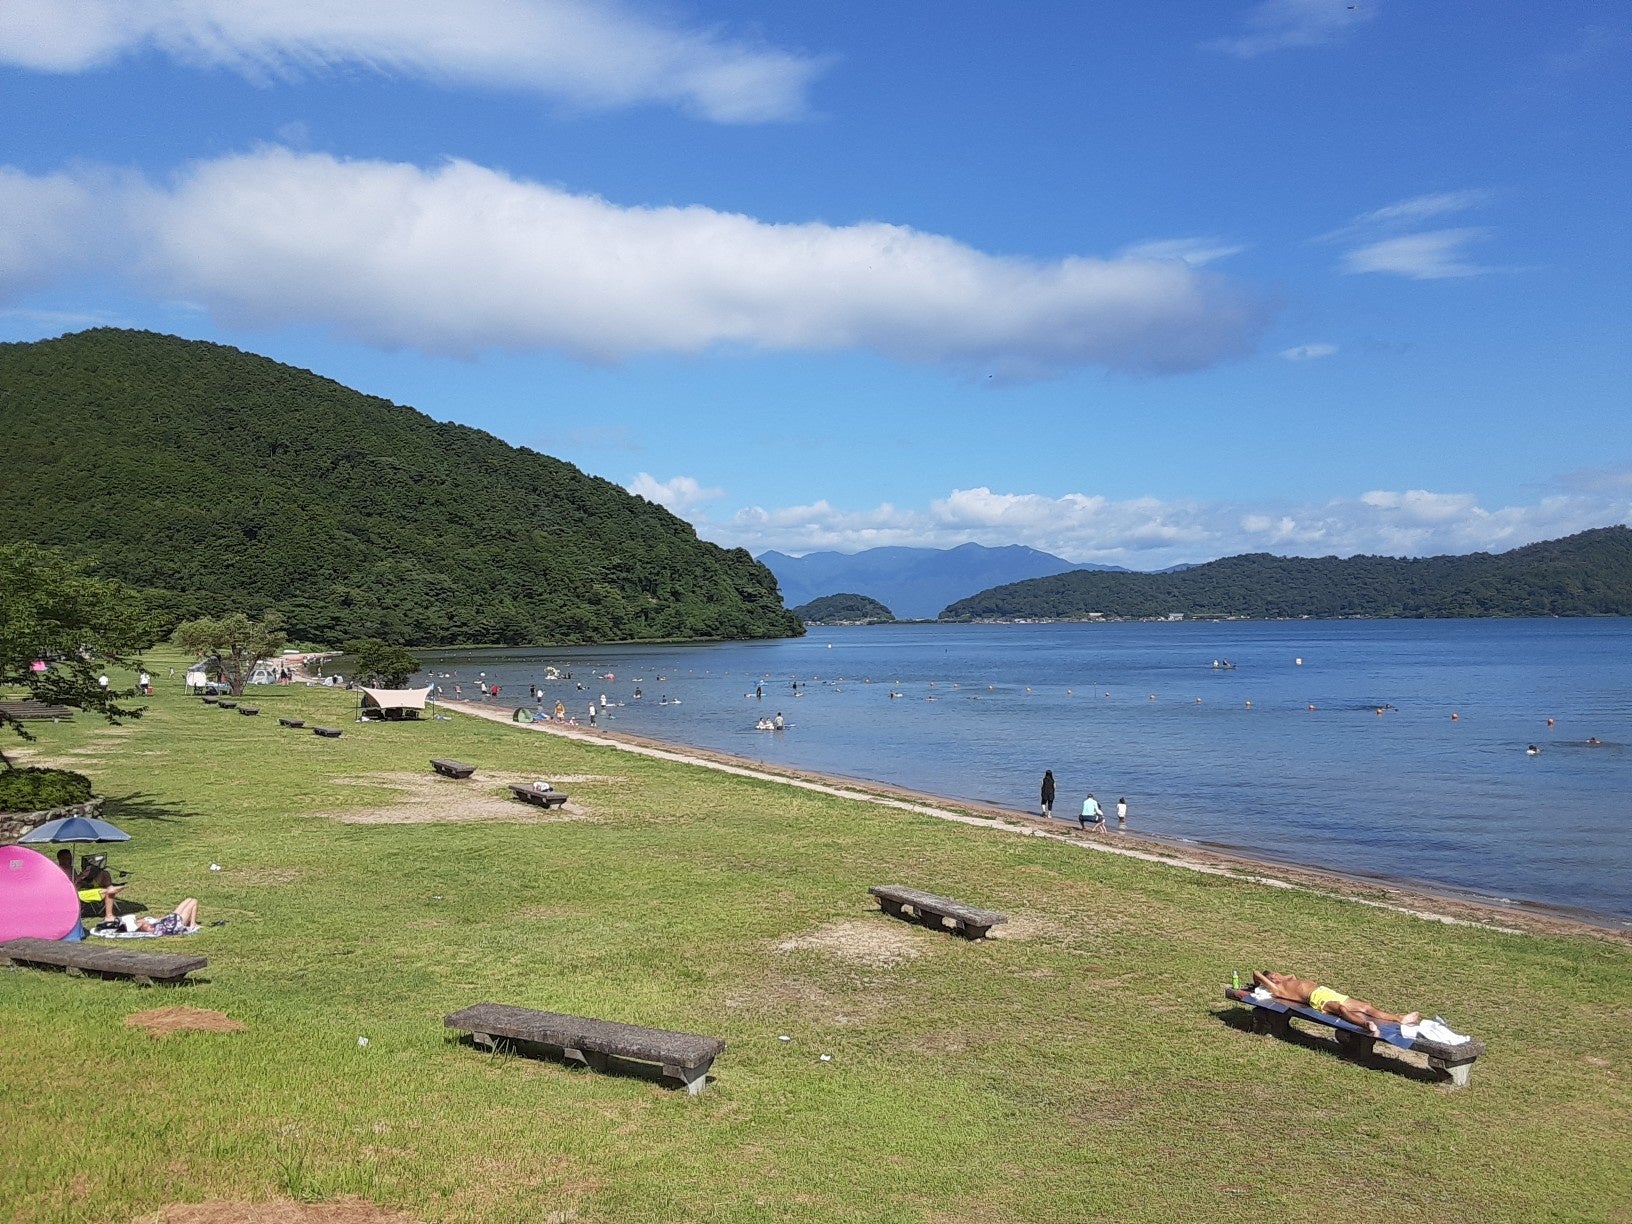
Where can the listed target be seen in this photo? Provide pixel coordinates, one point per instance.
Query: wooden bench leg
(588, 1058)
(1459, 1072)
(1274, 1023)
(1354, 1045)
(694, 1078)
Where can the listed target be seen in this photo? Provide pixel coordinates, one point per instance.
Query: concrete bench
(593, 1043)
(291, 722)
(249, 710)
(911, 905)
(225, 704)
(544, 799)
(79, 958)
(209, 699)
(1275, 1016)
(327, 732)
(452, 769)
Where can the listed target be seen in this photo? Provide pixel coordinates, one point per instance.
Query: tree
(235, 640)
(52, 613)
(380, 665)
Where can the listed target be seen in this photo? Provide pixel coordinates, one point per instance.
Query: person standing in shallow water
(1048, 793)
(1122, 814)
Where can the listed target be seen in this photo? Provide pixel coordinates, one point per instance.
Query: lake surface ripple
(1278, 758)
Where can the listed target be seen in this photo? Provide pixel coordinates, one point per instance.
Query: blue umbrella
(75, 829)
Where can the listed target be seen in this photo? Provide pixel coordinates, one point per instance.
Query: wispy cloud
(1275, 25)
(1194, 251)
(1309, 352)
(589, 53)
(1149, 533)
(461, 259)
(1387, 246)
(1433, 255)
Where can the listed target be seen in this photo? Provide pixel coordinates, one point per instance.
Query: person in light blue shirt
(1092, 814)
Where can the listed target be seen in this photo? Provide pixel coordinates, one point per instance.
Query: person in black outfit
(1048, 793)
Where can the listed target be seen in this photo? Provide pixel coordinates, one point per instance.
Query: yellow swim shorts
(1322, 995)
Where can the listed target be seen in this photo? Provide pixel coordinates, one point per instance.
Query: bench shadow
(509, 1047)
(1242, 1020)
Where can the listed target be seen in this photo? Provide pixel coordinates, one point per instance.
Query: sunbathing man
(1291, 989)
(94, 884)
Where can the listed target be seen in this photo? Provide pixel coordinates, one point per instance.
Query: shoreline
(1418, 901)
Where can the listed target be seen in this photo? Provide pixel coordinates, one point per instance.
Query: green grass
(1087, 1067)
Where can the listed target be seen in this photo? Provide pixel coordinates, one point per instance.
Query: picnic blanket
(141, 934)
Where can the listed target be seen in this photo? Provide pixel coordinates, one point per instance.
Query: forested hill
(1589, 574)
(233, 482)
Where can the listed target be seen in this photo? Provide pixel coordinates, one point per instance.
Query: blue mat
(1387, 1032)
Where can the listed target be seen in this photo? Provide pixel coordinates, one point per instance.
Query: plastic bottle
(1235, 979)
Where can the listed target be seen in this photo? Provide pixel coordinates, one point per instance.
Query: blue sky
(1135, 284)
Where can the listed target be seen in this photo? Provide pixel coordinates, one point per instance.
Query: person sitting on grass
(93, 882)
(178, 921)
(1291, 989)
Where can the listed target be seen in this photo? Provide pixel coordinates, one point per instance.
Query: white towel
(1432, 1030)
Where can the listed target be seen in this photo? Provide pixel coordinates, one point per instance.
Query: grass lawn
(1083, 1065)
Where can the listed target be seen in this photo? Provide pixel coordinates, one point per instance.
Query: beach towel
(141, 934)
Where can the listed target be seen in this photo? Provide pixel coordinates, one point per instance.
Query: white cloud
(679, 494)
(1193, 251)
(47, 221)
(1147, 533)
(1424, 207)
(1425, 255)
(1309, 352)
(591, 53)
(1275, 25)
(1433, 255)
(461, 259)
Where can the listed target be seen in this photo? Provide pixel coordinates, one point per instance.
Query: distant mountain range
(914, 583)
(1589, 574)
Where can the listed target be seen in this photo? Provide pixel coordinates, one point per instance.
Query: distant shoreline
(1415, 898)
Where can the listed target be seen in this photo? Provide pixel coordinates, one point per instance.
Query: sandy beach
(1417, 902)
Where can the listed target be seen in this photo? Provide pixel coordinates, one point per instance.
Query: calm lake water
(1411, 795)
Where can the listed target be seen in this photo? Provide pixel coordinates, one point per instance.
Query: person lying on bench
(178, 921)
(93, 882)
(1291, 989)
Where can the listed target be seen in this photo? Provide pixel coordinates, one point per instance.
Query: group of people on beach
(1092, 817)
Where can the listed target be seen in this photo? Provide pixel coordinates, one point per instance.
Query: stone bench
(291, 722)
(327, 732)
(683, 1056)
(1275, 1016)
(225, 704)
(933, 911)
(79, 958)
(544, 799)
(249, 710)
(210, 699)
(452, 769)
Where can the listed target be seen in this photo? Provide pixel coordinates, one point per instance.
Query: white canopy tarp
(396, 699)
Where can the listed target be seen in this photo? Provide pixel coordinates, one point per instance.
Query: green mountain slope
(1589, 574)
(232, 482)
(845, 608)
